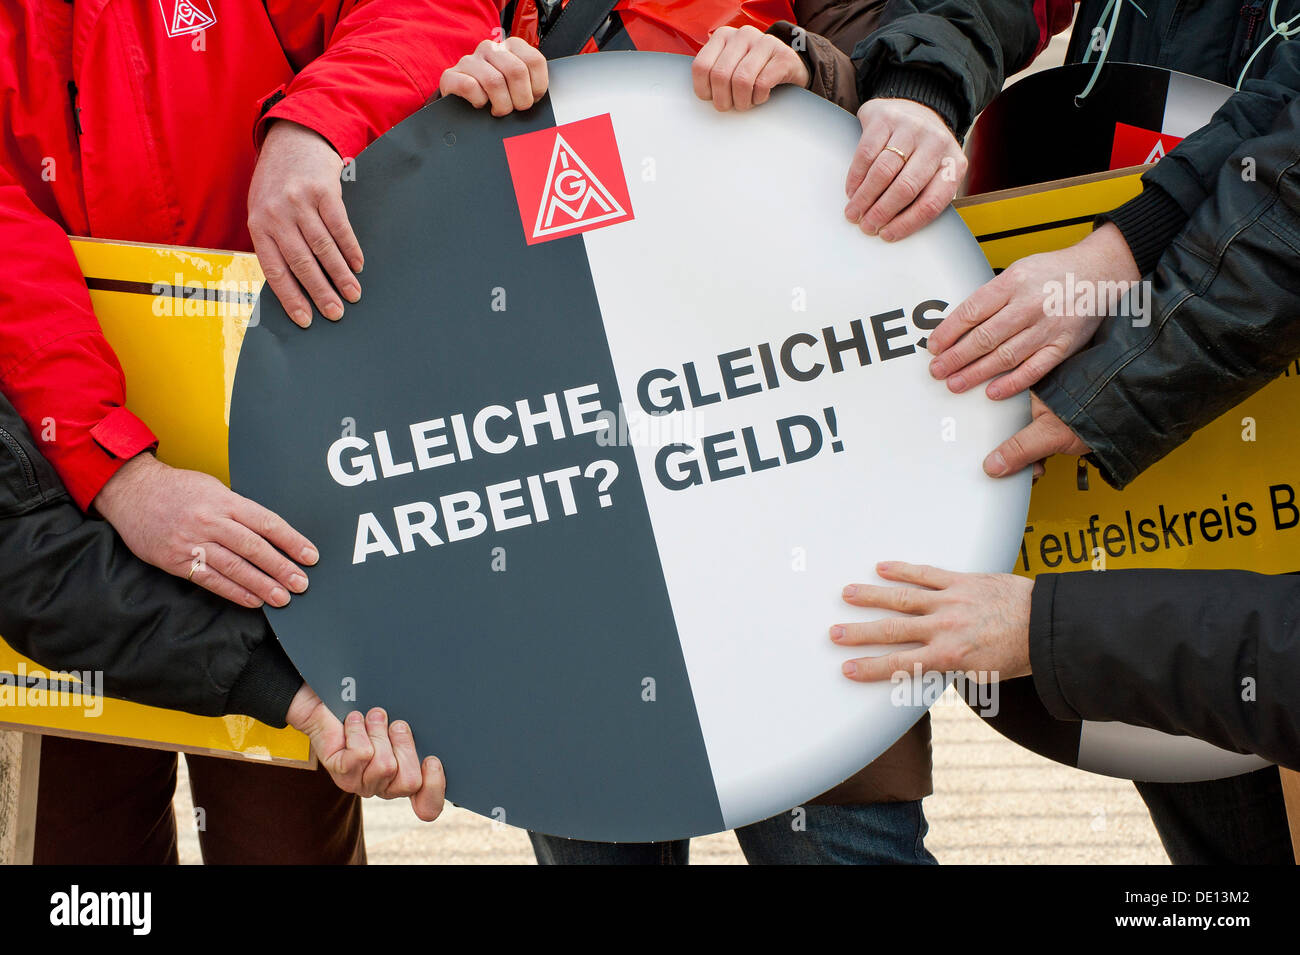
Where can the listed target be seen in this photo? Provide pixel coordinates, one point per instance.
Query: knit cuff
(1148, 223)
(921, 86)
(266, 686)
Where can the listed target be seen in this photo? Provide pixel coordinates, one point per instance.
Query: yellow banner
(1225, 499)
(176, 318)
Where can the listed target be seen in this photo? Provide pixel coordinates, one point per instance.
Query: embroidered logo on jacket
(183, 17)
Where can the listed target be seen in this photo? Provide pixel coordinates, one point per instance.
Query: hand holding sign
(369, 757)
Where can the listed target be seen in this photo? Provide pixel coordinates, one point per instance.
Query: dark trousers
(1240, 820)
(102, 804)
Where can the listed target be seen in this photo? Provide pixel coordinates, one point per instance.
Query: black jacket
(1209, 654)
(1224, 318)
(950, 55)
(73, 597)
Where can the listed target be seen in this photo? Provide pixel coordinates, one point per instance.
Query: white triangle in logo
(1157, 152)
(573, 195)
(187, 17)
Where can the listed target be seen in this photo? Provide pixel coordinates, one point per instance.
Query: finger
(903, 599)
(882, 172)
(519, 83)
(209, 578)
(979, 307)
(280, 279)
(270, 566)
(302, 262)
(326, 249)
(703, 63)
(489, 78)
(352, 760)
(1039, 470)
(875, 133)
(535, 60)
(874, 669)
(920, 168)
(456, 82)
(1027, 374)
(886, 631)
(773, 74)
(720, 76)
(407, 780)
(274, 528)
(324, 731)
(335, 216)
(229, 564)
(925, 208)
(382, 769)
(746, 74)
(923, 575)
(428, 802)
(1033, 442)
(1010, 347)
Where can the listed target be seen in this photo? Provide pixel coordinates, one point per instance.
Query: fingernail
(297, 583)
(884, 566)
(850, 668)
(850, 590)
(887, 235)
(279, 597)
(837, 633)
(995, 464)
(302, 318)
(956, 384)
(309, 555)
(352, 292)
(400, 727)
(354, 717)
(356, 266)
(253, 602)
(934, 369)
(333, 311)
(931, 347)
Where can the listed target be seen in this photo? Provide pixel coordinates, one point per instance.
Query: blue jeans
(890, 833)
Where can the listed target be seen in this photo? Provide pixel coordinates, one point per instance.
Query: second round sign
(625, 405)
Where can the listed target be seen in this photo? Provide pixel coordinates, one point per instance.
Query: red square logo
(1135, 146)
(568, 179)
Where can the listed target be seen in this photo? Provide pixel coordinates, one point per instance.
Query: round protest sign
(626, 403)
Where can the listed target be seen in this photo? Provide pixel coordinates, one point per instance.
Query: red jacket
(139, 120)
(668, 26)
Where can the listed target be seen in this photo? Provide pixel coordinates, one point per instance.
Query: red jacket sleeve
(55, 366)
(365, 65)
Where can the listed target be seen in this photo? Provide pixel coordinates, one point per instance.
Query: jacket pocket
(20, 487)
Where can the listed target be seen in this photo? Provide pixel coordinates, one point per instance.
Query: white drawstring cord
(1112, 7)
(1286, 31)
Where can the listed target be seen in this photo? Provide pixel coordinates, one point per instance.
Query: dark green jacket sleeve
(1223, 319)
(1210, 654)
(73, 597)
(951, 55)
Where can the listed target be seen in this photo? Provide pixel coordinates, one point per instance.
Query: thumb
(1037, 440)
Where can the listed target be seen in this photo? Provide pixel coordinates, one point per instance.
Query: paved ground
(994, 802)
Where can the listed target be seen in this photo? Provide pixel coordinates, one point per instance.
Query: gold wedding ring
(193, 567)
(901, 155)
